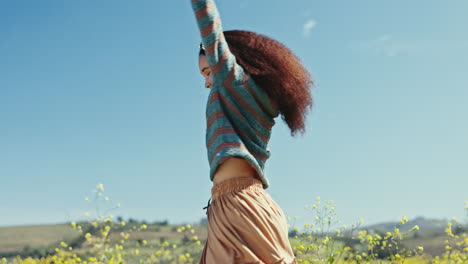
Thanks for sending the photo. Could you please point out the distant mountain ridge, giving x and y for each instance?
(423, 223)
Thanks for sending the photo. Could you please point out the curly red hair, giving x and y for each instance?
(277, 71)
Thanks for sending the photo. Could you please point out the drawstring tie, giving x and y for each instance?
(207, 206)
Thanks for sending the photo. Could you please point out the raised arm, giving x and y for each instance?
(219, 56)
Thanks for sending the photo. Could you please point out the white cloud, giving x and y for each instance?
(387, 45)
(308, 26)
(382, 40)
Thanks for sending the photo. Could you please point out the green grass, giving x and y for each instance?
(15, 239)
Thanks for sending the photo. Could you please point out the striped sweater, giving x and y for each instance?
(239, 114)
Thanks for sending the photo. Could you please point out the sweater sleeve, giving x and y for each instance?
(220, 58)
(223, 62)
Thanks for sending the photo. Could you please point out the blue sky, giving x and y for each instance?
(109, 92)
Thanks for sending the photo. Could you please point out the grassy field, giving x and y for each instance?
(104, 240)
(23, 239)
(43, 239)
(16, 239)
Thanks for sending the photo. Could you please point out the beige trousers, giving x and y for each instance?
(245, 226)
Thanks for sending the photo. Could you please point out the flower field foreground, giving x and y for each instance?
(105, 240)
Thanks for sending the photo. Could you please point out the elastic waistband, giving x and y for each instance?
(235, 185)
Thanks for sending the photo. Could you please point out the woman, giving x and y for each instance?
(253, 79)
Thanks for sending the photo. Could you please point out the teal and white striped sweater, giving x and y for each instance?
(239, 114)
